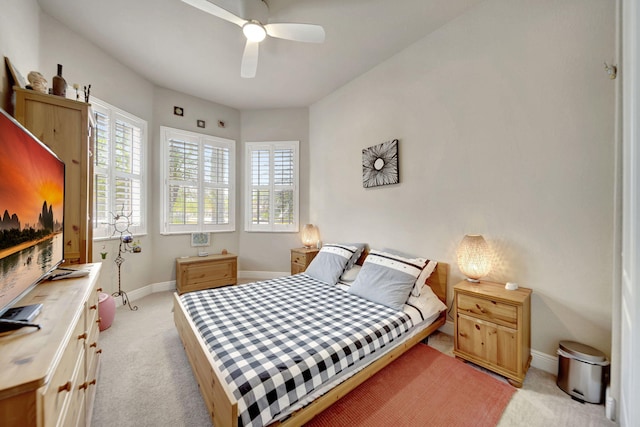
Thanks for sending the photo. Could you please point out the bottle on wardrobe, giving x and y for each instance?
(59, 83)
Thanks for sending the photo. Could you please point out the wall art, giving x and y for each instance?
(380, 164)
(200, 239)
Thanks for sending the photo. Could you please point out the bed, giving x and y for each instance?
(283, 342)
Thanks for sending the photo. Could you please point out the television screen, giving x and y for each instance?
(31, 211)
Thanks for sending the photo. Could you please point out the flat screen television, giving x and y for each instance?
(31, 211)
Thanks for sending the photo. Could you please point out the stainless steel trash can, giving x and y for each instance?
(583, 371)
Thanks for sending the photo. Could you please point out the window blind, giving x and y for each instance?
(272, 170)
(200, 182)
(118, 169)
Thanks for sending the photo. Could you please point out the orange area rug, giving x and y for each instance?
(422, 388)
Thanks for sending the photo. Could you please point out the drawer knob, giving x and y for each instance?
(477, 327)
(92, 382)
(83, 386)
(482, 310)
(66, 387)
(82, 336)
(93, 307)
(93, 344)
(99, 351)
(99, 290)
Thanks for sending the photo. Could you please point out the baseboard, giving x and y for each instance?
(542, 361)
(171, 285)
(447, 328)
(148, 290)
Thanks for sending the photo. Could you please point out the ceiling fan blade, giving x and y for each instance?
(249, 60)
(215, 10)
(309, 33)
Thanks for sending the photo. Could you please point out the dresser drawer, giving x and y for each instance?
(494, 311)
(196, 273)
(63, 387)
(202, 276)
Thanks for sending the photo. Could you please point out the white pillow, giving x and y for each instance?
(428, 302)
(422, 278)
(351, 274)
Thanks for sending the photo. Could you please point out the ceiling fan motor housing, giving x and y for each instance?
(247, 9)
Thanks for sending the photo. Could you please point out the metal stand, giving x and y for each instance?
(119, 260)
(121, 224)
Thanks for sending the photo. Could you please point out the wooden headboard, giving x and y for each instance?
(437, 280)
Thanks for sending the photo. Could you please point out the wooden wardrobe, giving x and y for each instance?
(67, 127)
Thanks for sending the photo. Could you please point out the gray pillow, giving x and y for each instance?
(422, 278)
(330, 262)
(387, 278)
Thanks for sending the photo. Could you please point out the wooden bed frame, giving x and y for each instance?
(223, 406)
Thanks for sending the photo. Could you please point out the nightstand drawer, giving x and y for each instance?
(299, 258)
(498, 312)
(297, 268)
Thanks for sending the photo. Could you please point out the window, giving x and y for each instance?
(271, 203)
(119, 169)
(199, 182)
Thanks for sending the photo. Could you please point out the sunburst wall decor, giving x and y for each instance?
(380, 164)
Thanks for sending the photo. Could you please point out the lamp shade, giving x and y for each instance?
(474, 259)
(309, 235)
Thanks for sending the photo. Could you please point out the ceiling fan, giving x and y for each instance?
(255, 31)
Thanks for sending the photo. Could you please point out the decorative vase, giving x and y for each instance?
(59, 83)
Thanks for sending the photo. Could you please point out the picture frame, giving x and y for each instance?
(200, 239)
(380, 164)
(18, 79)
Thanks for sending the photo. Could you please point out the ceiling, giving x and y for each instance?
(179, 47)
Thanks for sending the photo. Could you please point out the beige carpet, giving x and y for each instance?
(146, 380)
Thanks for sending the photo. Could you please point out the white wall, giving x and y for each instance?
(505, 122)
(271, 251)
(167, 248)
(19, 41)
(84, 63)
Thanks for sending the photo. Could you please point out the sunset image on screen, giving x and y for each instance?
(32, 188)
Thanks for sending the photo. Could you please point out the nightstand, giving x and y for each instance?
(493, 328)
(301, 258)
(204, 272)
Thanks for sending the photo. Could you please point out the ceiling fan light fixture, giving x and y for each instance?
(254, 31)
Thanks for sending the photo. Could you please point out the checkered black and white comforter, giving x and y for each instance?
(278, 340)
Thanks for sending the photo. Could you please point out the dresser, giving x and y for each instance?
(205, 272)
(493, 328)
(49, 376)
(66, 127)
(301, 258)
